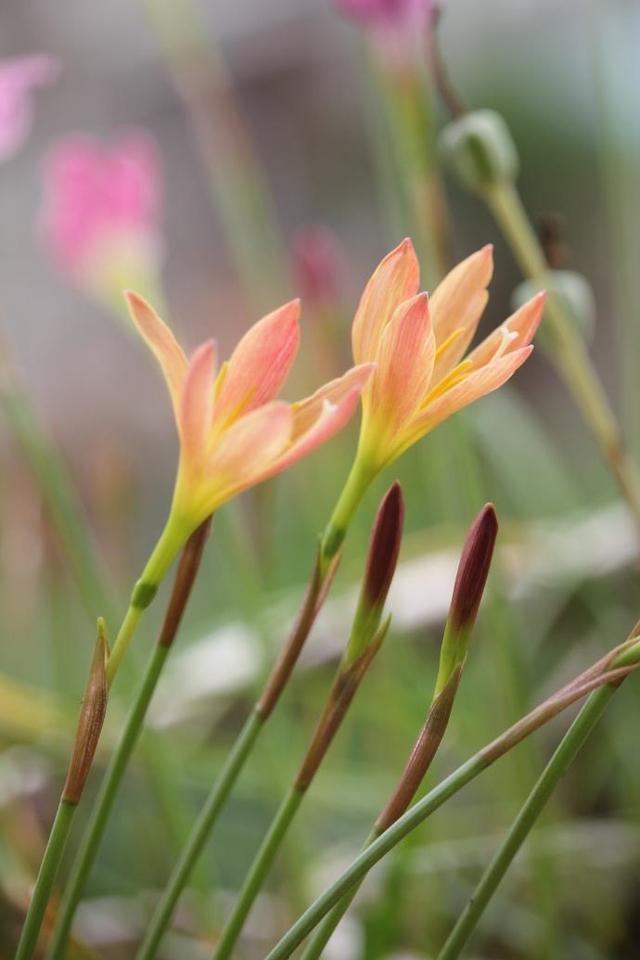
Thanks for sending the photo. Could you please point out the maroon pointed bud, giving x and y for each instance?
(384, 547)
(92, 713)
(473, 569)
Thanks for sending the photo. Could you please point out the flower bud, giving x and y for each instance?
(480, 149)
(473, 570)
(382, 557)
(92, 713)
(575, 292)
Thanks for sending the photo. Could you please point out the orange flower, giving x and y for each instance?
(233, 433)
(419, 345)
(422, 375)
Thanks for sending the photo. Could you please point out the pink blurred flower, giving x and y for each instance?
(318, 266)
(18, 78)
(101, 212)
(396, 26)
(390, 14)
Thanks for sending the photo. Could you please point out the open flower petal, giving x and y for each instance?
(516, 331)
(307, 411)
(163, 344)
(405, 365)
(260, 363)
(196, 404)
(395, 279)
(245, 453)
(458, 300)
(472, 387)
(317, 418)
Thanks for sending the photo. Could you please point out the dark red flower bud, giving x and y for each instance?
(384, 547)
(473, 569)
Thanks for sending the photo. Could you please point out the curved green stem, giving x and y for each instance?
(259, 869)
(555, 769)
(448, 787)
(104, 802)
(324, 930)
(164, 553)
(358, 481)
(198, 837)
(567, 349)
(45, 880)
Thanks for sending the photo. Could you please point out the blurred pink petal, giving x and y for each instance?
(101, 211)
(318, 266)
(404, 14)
(19, 76)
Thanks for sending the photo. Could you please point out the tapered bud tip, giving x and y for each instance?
(473, 568)
(384, 547)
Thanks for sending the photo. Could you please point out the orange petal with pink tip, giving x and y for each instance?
(519, 328)
(405, 364)
(395, 279)
(196, 403)
(475, 385)
(451, 350)
(245, 453)
(259, 364)
(307, 411)
(456, 300)
(330, 418)
(162, 343)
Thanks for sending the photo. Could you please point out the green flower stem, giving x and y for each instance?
(317, 591)
(237, 180)
(172, 538)
(259, 869)
(566, 347)
(409, 111)
(104, 801)
(198, 837)
(45, 880)
(360, 477)
(324, 930)
(555, 769)
(446, 789)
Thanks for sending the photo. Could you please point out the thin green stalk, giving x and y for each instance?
(237, 180)
(278, 678)
(104, 801)
(183, 584)
(259, 869)
(365, 639)
(567, 349)
(555, 769)
(614, 670)
(408, 110)
(199, 834)
(324, 930)
(45, 880)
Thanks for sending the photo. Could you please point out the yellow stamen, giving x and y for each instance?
(457, 333)
(456, 375)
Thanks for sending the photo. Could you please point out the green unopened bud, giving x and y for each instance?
(92, 713)
(480, 149)
(575, 292)
(382, 557)
(473, 570)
